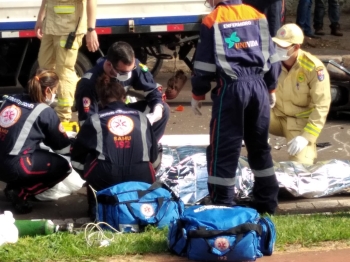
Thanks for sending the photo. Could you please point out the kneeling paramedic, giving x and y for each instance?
(26, 121)
(122, 66)
(303, 96)
(235, 48)
(116, 144)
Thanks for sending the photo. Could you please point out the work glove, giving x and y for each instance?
(71, 134)
(297, 144)
(196, 105)
(156, 115)
(272, 97)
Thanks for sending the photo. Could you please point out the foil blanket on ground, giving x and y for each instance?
(184, 170)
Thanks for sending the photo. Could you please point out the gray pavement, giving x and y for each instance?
(336, 132)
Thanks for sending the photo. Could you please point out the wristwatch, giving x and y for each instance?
(90, 29)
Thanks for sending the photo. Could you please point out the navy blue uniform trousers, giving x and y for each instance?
(241, 110)
(33, 173)
(273, 10)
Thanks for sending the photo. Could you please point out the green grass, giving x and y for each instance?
(302, 230)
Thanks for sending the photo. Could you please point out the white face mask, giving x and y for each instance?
(50, 101)
(124, 77)
(283, 53)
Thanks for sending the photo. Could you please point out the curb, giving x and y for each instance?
(312, 206)
(302, 206)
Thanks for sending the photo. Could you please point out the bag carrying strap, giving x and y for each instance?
(113, 200)
(155, 186)
(242, 229)
(178, 236)
(268, 233)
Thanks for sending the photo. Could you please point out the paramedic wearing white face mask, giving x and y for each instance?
(26, 121)
(121, 65)
(302, 97)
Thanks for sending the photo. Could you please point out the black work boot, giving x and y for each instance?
(335, 30)
(21, 205)
(319, 31)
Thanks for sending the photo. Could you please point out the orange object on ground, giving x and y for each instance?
(180, 108)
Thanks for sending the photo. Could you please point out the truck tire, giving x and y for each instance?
(153, 63)
(81, 66)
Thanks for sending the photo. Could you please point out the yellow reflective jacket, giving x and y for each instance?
(62, 17)
(303, 95)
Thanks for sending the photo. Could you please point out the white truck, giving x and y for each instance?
(147, 25)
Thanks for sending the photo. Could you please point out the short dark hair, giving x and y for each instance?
(120, 51)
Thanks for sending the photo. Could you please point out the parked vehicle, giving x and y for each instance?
(340, 82)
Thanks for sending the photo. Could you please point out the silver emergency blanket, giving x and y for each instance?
(184, 170)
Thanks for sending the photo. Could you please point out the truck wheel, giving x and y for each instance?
(144, 54)
(81, 66)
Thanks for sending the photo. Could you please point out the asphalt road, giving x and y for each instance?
(336, 132)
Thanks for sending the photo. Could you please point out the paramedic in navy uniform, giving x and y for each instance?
(236, 50)
(116, 144)
(120, 64)
(25, 121)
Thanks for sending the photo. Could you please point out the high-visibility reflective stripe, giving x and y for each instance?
(274, 58)
(64, 102)
(313, 130)
(97, 125)
(264, 173)
(264, 35)
(64, 9)
(204, 66)
(28, 124)
(77, 165)
(305, 114)
(306, 64)
(63, 151)
(220, 51)
(143, 121)
(221, 181)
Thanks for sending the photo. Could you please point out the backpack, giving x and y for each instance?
(213, 233)
(131, 206)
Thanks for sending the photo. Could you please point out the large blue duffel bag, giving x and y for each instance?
(130, 206)
(214, 233)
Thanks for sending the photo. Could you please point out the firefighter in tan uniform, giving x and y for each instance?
(56, 20)
(302, 97)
